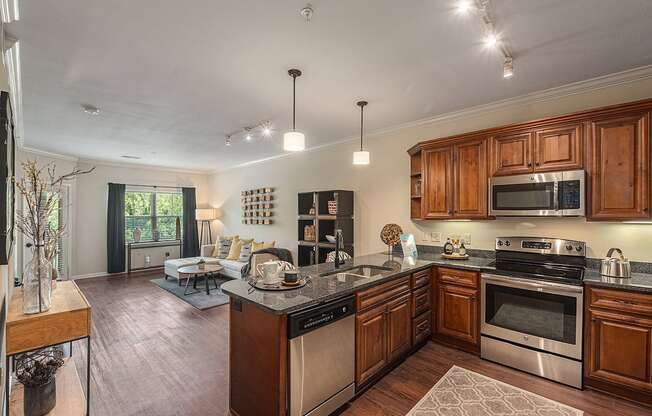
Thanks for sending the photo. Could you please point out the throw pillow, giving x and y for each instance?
(223, 246)
(245, 252)
(234, 251)
(259, 246)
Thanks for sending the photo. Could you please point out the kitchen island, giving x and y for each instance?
(393, 318)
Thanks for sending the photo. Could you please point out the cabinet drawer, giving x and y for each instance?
(383, 293)
(620, 300)
(421, 278)
(458, 277)
(420, 300)
(421, 328)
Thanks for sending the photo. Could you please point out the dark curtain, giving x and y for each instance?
(115, 229)
(190, 238)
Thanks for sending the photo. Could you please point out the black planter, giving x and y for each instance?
(38, 401)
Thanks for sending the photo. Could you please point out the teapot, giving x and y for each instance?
(615, 266)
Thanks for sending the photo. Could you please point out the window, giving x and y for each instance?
(152, 210)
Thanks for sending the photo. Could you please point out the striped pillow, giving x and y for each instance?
(224, 247)
(245, 253)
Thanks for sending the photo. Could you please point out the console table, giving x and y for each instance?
(68, 320)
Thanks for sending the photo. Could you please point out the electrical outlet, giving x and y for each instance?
(467, 239)
(435, 237)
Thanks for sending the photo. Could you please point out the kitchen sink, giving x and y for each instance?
(359, 271)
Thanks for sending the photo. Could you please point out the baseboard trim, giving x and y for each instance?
(88, 276)
(122, 274)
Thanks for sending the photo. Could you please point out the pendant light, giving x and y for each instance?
(361, 157)
(294, 141)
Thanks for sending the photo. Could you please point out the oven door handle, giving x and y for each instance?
(540, 286)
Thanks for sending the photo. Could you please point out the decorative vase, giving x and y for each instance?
(332, 207)
(37, 283)
(39, 400)
(137, 234)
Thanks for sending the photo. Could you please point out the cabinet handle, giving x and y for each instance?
(538, 164)
(529, 164)
(472, 298)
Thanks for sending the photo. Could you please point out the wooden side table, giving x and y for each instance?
(68, 320)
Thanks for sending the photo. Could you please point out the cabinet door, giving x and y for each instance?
(471, 189)
(558, 148)
(437, 186)
(619, 168)
(399, 327)
(511, 154)
(457, 313)
(371, 343)
(620, 350)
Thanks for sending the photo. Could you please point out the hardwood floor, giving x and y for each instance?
(153, 354)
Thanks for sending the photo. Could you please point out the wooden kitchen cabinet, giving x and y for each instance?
(618, 343)
(511, 154)
(558, 148)
(619, 160)
(399, 328)
(470, 179)
(383, 327)
(437, 202)
(457, 308)
(371, 343)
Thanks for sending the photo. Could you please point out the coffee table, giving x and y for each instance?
(208, 272)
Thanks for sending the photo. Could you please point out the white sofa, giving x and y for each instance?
(231, 268)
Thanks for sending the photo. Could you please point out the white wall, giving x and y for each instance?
(382, 189)
(89, 194)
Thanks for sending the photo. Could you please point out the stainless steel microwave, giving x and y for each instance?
(550, 194)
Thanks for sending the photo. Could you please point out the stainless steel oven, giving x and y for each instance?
(557, 194)
(532, 307)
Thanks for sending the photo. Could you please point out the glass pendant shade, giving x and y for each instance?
(294, 141)
(361, 157)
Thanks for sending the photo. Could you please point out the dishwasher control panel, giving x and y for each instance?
(305, 321)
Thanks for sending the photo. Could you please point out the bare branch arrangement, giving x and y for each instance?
(42, 190)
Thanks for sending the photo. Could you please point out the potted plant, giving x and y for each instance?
(201, 264)
(36, 372)
(42, 191)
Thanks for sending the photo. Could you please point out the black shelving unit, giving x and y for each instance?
(311, 252)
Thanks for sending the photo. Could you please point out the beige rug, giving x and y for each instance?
(465, 393)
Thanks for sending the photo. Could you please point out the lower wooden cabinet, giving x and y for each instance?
(456, 311)
(618, 343)
(399, 327)
(371, 343)
(421, 328)
(383, 332)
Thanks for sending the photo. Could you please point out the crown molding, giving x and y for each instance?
(45, 153)
(158, 168)
(580, 87)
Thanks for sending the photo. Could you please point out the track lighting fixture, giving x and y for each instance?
(508, 67)
(464, 6)
(227, 141)
(491, 40)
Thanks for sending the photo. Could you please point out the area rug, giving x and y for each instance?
(465, 393)
(199, 300)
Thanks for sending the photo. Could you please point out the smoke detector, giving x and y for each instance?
(90, 109)
(307, 12)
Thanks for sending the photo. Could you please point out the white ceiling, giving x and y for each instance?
(173, 77)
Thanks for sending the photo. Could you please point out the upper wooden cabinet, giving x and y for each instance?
(619, 160)
(511, 154)
(539, 150)
(437, 185)
(470, 187)
(558, 148)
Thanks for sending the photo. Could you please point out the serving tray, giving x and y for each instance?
(280, 286)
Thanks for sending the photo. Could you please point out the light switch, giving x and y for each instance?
(435, 237)
(424, 236)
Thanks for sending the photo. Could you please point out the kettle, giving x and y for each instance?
(615, 266)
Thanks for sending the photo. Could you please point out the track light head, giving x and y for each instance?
(464, 6)
(491, 40)
(508, 68)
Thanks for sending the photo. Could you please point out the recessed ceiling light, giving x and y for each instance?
(508, 68)
(227, 141)
(248, 137)
(463, 6)
(491, 40)
(90, 109)
(131, 157)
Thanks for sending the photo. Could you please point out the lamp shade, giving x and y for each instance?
(206, 214)
(294, 141)
(361, 158)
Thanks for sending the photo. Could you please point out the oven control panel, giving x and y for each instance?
(542, 245)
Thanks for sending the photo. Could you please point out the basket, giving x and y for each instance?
(309, 233)
(332, 207)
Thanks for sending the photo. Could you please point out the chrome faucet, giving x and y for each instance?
(338, 242)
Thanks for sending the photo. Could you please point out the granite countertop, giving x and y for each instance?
(323, 288)
(639, 282)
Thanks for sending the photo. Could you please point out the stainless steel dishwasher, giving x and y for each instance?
(322, 358)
